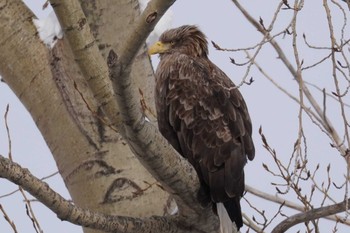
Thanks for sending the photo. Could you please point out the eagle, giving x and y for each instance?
(204, 117)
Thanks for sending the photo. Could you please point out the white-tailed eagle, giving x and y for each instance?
(204, 117)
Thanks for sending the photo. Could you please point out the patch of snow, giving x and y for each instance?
(143, 4)
(49, 29)
(164, 24)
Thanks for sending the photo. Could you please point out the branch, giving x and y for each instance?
(310, 215)
(87, 55)
(273, 198)
(7, 218)
(127, 96)
(66, 211)
(251, 224)
(292, 205)
(143, 26)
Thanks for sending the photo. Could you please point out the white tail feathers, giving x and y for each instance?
(226, 225)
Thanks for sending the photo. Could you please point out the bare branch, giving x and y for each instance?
(8, 132)
(309, 216)
(251, 224)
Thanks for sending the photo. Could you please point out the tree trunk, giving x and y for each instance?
(96, 164)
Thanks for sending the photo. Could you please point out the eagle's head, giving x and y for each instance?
(187, 39)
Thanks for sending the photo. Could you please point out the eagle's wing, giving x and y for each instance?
(206, 120)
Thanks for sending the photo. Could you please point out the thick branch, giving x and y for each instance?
(151, 148)
(127, 96)
(67, 211)
(310, 215)
(142, 28)
(87, 55)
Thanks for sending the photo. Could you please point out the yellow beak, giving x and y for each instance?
(158, 47)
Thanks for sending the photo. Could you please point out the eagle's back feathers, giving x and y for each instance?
(203, 115)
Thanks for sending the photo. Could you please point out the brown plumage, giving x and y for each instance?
(203, 116)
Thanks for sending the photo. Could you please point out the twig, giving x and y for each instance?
(250, 223)
(7, 218)
(317, 63)
(30, 212)
(260, 212)
(267, 37)
(8, 132)
(218, 47)
(344, 17)
(327, 94)
(299, 77)
(316, 186)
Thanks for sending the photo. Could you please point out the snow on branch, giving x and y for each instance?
(49, 29)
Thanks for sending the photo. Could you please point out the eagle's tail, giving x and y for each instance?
(229, 212)
(226, 225)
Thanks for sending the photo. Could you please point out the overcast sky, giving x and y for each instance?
(269, 108)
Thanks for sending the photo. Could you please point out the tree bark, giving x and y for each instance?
(89, 154)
